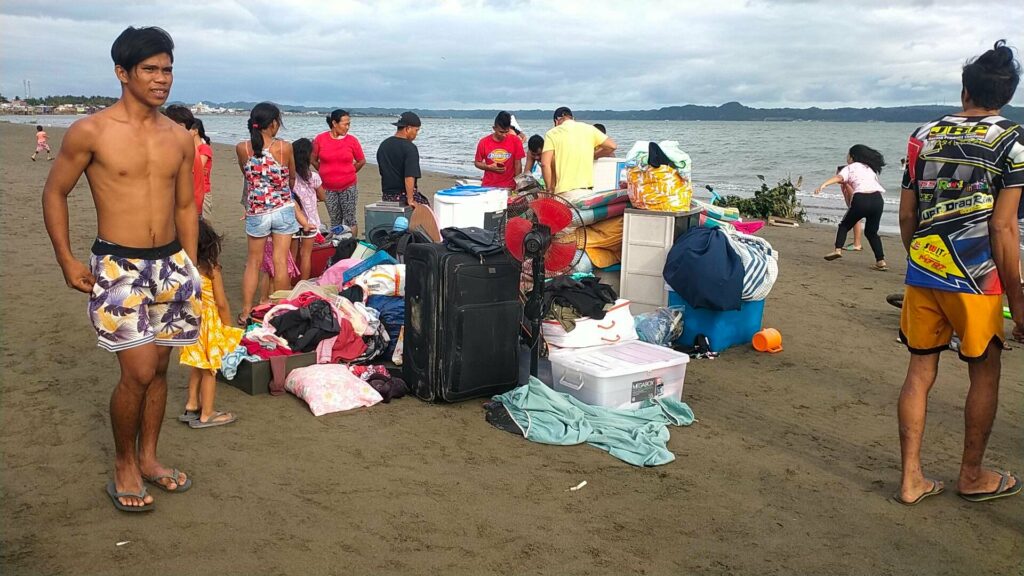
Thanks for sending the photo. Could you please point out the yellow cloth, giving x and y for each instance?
(215, 339)
(604, 242)
(573, 144)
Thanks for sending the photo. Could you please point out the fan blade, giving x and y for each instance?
(552, 213)
(516, 230)
(559, 257)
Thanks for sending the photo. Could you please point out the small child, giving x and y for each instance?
(308, 191)
(42, 143)
(215, 338)
(267, 274)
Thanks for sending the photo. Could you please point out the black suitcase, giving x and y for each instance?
(462, 321)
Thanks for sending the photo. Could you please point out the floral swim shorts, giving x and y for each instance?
(144, 295)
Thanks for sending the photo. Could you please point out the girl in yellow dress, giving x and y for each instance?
(215, 338)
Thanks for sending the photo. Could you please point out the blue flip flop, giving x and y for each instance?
(173, 476)
(114, 495)
(1001, 491)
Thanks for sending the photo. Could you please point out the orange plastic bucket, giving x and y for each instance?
(768, 340)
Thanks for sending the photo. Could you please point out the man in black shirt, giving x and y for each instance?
(398, 160)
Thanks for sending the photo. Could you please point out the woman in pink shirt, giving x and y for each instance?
(863, 165)
(337, 157)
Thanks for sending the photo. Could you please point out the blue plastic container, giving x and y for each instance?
(724, 329)
(463, 191)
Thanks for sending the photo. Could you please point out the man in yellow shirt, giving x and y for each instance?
(570, 148)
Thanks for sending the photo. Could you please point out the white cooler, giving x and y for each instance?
(464, 206)
(620, 375)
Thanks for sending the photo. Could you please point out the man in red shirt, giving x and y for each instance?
(500, 155)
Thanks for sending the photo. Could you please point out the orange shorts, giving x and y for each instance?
(930, 317)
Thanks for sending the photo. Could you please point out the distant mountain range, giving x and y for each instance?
(728, 111)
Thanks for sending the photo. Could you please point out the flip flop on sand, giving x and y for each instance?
(114, 495)
(852, 248)
(880, 267)
(242, 319)
(937, 488)
(214, 420)
(1001, 491)
(833, 256)
(173, 477)
(188, 416)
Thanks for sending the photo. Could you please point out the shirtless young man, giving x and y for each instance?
(143, 288)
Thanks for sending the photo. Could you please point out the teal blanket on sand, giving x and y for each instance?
(639, 436)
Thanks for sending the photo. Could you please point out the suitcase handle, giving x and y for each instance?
(608, 327)
(612, 340)
(573, 385)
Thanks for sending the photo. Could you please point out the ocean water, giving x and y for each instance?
(725, 155)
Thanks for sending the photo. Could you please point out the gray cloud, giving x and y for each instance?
(464, 54)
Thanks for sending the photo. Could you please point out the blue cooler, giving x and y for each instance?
(724, 329)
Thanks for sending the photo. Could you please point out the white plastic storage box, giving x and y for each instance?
(609, 174)
(620, 375)
(464, 206)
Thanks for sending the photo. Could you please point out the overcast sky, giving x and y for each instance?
(520, 54)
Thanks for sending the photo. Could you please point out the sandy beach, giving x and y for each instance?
(788, 470)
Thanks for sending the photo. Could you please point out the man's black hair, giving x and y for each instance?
(601, 128)
(136, 44)
(562, 111)
(503, 120)
(991, 79)
(535, 143)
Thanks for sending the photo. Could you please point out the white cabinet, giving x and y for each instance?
(647, 237)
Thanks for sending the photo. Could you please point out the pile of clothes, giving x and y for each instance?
(568, 298)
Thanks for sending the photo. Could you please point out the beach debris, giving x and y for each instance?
(578, 486)
(122, 543)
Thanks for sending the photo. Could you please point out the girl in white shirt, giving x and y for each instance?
(863, 165)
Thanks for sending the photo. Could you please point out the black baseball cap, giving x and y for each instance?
(562, 111)
(408, 119)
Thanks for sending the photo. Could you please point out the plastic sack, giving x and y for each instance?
(638, 155)
(661, 188)
(662, 327)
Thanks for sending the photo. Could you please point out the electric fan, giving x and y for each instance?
(545, 233)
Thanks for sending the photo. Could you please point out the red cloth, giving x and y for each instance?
(366, 372)
(507, 152)
(337, 159)
(254, 349)
(349, 345)
(302, 300)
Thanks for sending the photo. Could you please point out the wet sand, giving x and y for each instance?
(787, 471)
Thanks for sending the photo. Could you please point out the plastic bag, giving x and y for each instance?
(661, 188)
(662, 327)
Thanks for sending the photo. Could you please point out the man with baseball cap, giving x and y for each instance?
(570, 148)
(398, 160)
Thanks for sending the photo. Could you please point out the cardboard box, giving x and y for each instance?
(254, 377)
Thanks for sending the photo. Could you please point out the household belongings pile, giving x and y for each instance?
(657, 177)
(348, 323)
(721, 277)
(606, 388)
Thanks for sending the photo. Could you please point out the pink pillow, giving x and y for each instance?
(330, 388)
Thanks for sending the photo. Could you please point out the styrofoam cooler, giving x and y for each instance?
(609, 173)
(620, 375)
(464, 206)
